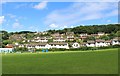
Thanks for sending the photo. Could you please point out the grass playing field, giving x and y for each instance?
(90, 62)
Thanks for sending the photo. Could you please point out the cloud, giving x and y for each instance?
(11, 15)
(41, 5)
(61, 0)
(24, 5)
(32, 27)
(53, 26)
(78, 12)
(15, 17)
(65, 26)
(17, 25)
(21, 5)
(108, 21)
(1, 19)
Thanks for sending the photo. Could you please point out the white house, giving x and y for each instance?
(108, 42)
(101, 33)
(76, 45)
(83, 44)
(70, 37)
(59, 45)
(21, 45)
(44, 39)
(83, 34)
(6, 50)
(116, 41)
(42, 46)
(100, 43)
(38, 45)
(58, 39)
(90, 44)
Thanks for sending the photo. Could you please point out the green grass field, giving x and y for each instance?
(89, 62)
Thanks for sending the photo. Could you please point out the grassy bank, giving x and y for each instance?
(68, 62)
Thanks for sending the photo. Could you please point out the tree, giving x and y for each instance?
(50, 40)
(90, 29)
(5, 42)
(5, 35)
(105, 37)
(112, 35)
(91, 38)
(21, 49)
(118, 34)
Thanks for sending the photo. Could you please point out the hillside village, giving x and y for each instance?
(64, 41)
(67, 40)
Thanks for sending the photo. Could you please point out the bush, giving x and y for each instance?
(116, 46)
(38, 50)
(57, 49)
(71, 49)
(21, 49)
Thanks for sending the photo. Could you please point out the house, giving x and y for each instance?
(42, 46)
(7, 49)
(69, 33)
(83, 35)
(101, 33)
(100, 43)
(46, 45)
(30, 46)
(59, 45)
(21, 45)
(108, 42)
(76, 45)
(90, 43)
(40, 39)
(116, 41)
(16, 37)
(83, 44)
(70, 37)
(58, 39)
(55, 35)
(38, 45)
(94, 35)
(82, 38)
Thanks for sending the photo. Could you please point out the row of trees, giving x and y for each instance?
(90, 29)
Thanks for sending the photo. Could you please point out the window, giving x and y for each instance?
(88, 43)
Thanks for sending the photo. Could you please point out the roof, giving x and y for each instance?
(100, 40)
(94, 34)
(58, 43)
(117, 38)
(71, 43)
(9, 46)
(83, 37)
(101, 33)
(58, 38)
(91, 41)
(108, 41)
(36, 44)
(83, 43)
